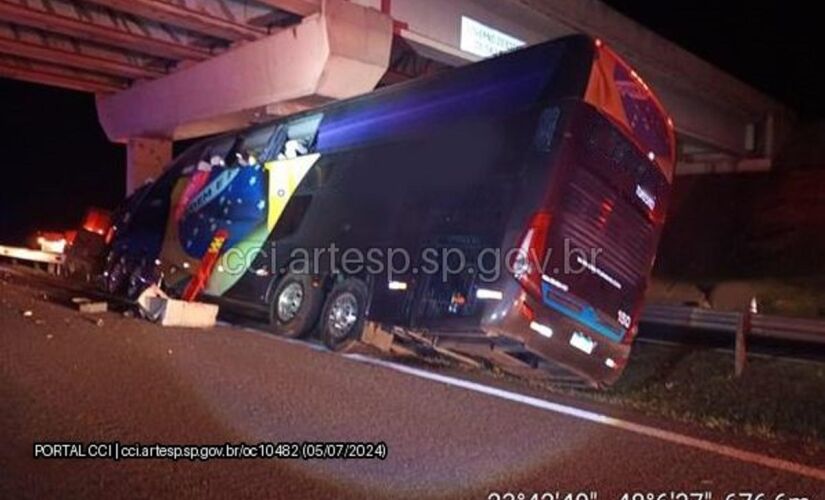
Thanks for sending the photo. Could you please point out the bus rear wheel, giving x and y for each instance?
(342, 319)
(296, 303)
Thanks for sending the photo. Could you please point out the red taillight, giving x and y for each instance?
(527, 265)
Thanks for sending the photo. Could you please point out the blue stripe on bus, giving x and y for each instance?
(498, 86)
(586, 316)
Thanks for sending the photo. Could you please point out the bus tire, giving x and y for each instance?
(295, 305)
(343, 316)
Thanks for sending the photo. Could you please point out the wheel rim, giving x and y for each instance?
(343, 313)
(289, 301)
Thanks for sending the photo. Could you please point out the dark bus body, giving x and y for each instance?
(545, 171)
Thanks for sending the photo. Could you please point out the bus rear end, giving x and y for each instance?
(581, 262)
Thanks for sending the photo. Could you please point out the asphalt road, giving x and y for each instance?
(64, 377)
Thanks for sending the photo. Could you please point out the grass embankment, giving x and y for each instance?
(774, 398)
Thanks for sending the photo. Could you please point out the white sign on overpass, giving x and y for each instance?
(482, 40)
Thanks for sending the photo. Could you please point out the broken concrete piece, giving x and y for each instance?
(144, 302)
(93, 307)
(156, 306)
(171, 312)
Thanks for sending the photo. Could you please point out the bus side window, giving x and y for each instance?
(316, 179)
(253, 150)
(292, 216)
(215, 152)
(300, 137)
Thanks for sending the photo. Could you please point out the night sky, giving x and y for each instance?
(775, 46)
(57, 161)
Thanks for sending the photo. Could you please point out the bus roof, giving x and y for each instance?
(541, 73)
(574, 66)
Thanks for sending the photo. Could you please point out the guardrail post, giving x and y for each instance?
(740, 350)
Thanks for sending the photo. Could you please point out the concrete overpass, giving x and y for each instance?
(165, 70)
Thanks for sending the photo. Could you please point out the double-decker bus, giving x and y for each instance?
(512, 206)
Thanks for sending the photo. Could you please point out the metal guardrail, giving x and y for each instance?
(774, 327)
(32, 255)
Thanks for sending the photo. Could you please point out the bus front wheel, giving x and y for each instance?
(295, 306)
(342, 319)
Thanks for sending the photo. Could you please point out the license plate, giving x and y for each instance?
(582, 342)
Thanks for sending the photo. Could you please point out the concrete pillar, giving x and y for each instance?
(145, 160)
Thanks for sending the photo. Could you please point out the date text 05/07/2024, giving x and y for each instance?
(305, 450)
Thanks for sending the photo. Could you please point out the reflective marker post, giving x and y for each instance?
(740, 351)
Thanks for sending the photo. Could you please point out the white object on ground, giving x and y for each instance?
(173, 312)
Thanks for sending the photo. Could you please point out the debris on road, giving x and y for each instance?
(28, 313)
(88, 306)
(144, 302)
(180, 313)
(94, 320)
(158, 307)
(93, 307)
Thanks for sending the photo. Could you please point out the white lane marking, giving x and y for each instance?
(572, 411)
(644, 430)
